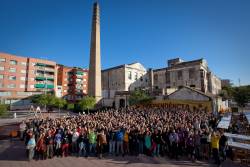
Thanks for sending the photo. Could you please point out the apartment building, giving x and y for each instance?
(21, 77)
(72, 82)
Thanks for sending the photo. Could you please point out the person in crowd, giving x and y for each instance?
(119, 142)
(190, 143)
(197, 144)
(50, 144)
(111, 140)
(22, 128)
(156, 138)
(82, 143)
(41, 147)
(92, 141)
(215, 138)
(141, 142)
(31, 147)
(174, 140)
(204, 144)
(75, 136)
(58, 143)
(126, 142)
(65, 143)
(223, 146)
(148, 145)
(101, 142)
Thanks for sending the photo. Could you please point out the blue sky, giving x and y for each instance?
(147, 31)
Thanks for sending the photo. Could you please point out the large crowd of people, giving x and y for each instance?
(151, 130)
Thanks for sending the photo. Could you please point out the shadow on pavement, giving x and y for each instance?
(12, 150)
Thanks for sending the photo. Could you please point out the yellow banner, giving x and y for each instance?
(183, 104)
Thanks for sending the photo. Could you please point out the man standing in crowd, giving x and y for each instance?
(92, 141)
(119, 142)
(112, 139)
(215, 147)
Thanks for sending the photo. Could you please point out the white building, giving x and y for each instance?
(126, 77)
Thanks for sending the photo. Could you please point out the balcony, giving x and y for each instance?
(79, 76)
(43, 86)
(42, 78)
(41, 64)
(79, 72)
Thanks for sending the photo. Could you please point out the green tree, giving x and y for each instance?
(59, 103)
(139, 97)
(3, 109)
(87, 103)
(51, 100)
(70, 106)
(40, 99)
(227, 92)
(241, 95)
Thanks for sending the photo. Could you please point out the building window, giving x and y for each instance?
(22, 78)
(141, 79)
(1, 68)
(23, 63)
(84, 85)
(1, 76)
(13, 62)
(23, 71)
(31, 86)
(129, 75)
(168, 77)
(179, 74)
(84, 79)
(192, 86)
(11, 85)
(191, 73)
(12, 70)
(2, 59)
(156, 77)
(22, 86)
(12, 77)
(136, 76)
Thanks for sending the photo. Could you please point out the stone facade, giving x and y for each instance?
(195, 74)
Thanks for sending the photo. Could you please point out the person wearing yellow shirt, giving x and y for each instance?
(126, 142)
(215, 138)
